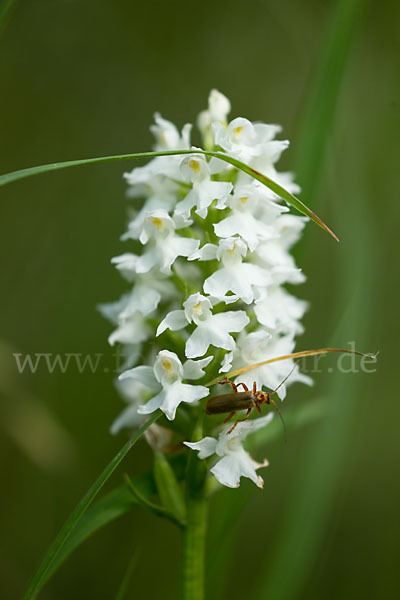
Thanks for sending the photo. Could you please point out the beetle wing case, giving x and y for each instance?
(229, 402)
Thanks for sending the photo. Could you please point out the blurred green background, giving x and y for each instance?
(83, 78)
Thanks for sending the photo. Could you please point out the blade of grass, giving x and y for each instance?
(107, 509)
(318, 117)
(302, 354)
(115, 504)
(46, 565)
(123, 587)
(5, 13)
(269, 183)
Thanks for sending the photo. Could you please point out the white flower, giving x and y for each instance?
(280, 311)
(195, 169)
(164, 382)
(251, 216)
(167, 135)
(131, 327)
(234, 275)
(218, 110)
(126, 265)
(290, 228)
(166, 246)
(130, 330)
(134, 393)
(167, 138)
(253, 143)
(247, 141)
(234, 462)
(211, 329)
(274, 255)
(280, 264)
(160, 193)
(260, 346)
(148, 290)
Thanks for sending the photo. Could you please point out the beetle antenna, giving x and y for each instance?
(286, 378)
(274, 404)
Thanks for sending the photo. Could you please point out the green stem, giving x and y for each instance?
(194, 533)
(193, 547)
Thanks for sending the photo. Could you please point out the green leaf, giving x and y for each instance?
(156, 509)
(110, 507)
(269, 183)
(169, 490)
(113, 505)
(50, 558)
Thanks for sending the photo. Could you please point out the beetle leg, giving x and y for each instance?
(240, 420)
(258, 409)
(229, 382)
(254, 387)
(246, 389)
(229, 417)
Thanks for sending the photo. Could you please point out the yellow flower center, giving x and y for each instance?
(194, 165)
(157, 222)
(167, 366)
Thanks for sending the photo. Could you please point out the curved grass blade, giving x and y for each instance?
(123, 586)
(285, 357)
(281, 192)
(54, 550)
(156, 509)
(269, 183)
(319, 115)
(107, 509)
(113, 505)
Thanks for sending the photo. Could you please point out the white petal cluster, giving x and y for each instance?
(208, 259)
(210, 329)
(164, 381)
(233, 460)
(204, 191)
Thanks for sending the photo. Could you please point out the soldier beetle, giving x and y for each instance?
(249, 399)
